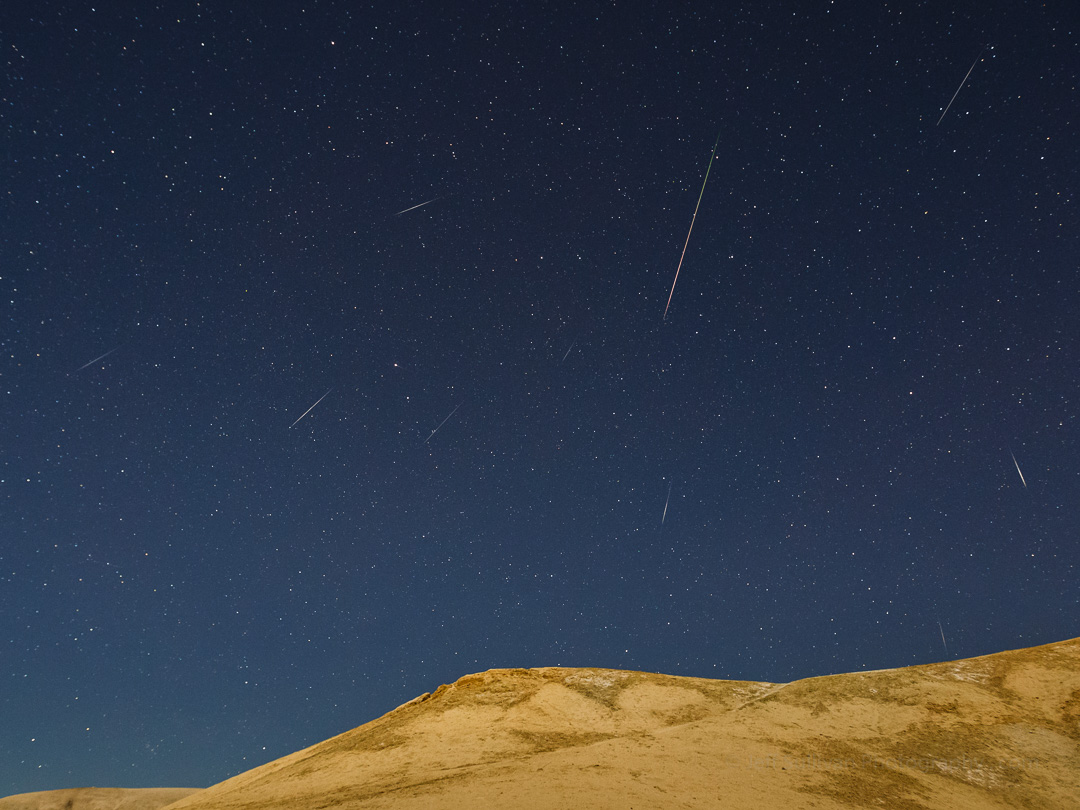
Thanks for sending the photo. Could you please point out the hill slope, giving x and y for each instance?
(93, 798)
(1000, 731)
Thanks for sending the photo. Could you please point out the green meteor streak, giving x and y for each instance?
(696, 207)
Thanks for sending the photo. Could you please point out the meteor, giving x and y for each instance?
(954, 95)
(943, 644)
(663, 517)
(567, 353)
(1022, 481)
(309, 410)
(692, 220)
(443, 422)
(421, 205)
(84, 365)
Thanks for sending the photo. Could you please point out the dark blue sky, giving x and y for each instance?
(803, 469)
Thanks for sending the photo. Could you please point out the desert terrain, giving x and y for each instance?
(92, 798)
(999, 731)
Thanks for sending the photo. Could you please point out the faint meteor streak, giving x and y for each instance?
(692, 220)
(84, 365)
(943, 644)
(663, 517)
(1022, 481)
(421, 205)
(958, 89)
(443, 422)
(567, 353)
(309, 410)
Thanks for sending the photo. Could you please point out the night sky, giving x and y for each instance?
(854, 433)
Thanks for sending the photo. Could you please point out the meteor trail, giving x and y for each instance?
(1022, 481)
(309, 410)
(954, 95)
(84, 365)
(421, 205)
(567, 353)
(692, 220)
(668, 500)
(443, 422)
(943, 644)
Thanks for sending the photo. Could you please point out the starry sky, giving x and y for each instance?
(335, 363)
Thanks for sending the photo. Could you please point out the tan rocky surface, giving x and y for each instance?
(93, 798)
(1000, 731)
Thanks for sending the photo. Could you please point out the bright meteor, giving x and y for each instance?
(309, 410)
(1022, 481)
(692, 220)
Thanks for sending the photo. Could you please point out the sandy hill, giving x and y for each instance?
(92, 798)
(1001, 731)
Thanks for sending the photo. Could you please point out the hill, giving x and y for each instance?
(999, 731)
(93, 798)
